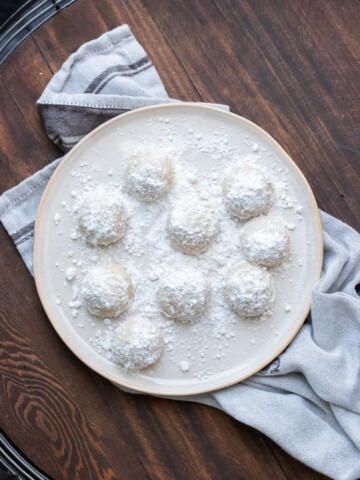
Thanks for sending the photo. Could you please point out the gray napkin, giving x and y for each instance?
(308, 399)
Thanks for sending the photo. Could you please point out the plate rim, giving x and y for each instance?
(37, 273)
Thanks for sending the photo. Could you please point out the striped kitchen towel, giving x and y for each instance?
(102, 79)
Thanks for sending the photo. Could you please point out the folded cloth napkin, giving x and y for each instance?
(308, 399)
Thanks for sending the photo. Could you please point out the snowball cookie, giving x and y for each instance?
(183, 295)
(265, 241)
(137, 344)
(107, 290)
(192, 227)
(149, 175)
(247, 192)
(102, 216)
(248, 289)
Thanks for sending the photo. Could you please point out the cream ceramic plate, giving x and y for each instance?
(219, 353)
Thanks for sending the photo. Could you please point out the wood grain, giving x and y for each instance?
(293, 71)
(293, 68)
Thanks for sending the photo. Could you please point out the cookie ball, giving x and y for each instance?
(265, 241)
(192, 227)
(102, 216)
(149, 174)
(137, 344)
(183, 295)
(247, 192)
(107, 290)
(248, 290)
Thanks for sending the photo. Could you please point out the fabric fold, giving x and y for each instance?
(104, 78)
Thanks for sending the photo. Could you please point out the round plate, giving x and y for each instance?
(219, 355)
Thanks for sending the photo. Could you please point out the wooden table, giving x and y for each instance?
(291, 66)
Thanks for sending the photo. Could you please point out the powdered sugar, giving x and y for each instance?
(248, 193)
(183, 295)
(146, 252)
(249, 289)
(184, 366)
(149, 174)
(192, 226)
(57, 218)
(102, 216)
(70, 274)
(107, 290)
(137, 343)
(265, 241)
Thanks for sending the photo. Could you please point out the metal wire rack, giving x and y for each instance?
(25, 20)
(33, 13)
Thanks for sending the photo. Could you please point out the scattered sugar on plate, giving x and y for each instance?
(70, 274)
(147, 232)
(184, 366)
(57, 218)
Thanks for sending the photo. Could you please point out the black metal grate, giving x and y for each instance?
(14, 465)
(25, 20)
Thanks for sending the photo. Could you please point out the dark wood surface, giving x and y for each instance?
(290, 66)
